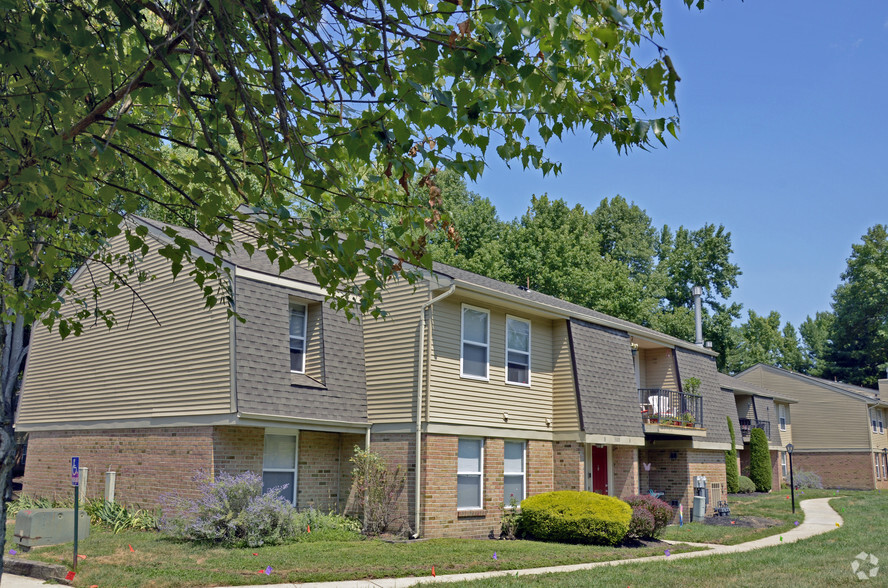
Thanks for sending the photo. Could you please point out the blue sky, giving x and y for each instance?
(783, 141)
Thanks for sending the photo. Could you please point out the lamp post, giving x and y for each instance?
(791, 480)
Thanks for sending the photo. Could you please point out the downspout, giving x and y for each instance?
(422, 327)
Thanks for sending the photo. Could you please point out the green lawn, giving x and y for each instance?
(824, 560)
(159, 562)
(772, 506)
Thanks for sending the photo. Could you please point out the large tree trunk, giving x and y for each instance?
(12, 359)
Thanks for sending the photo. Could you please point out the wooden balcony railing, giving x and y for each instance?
(671, 408)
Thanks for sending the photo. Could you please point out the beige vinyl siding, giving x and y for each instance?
(454, 399)
(659, 369)
(784, 436)
(138, 368)
(314, 342)
(744, 408)
(822, 419)
(391, 352)
(564, 391)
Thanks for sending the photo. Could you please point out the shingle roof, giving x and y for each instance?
(858, 392)
(573, 310)
(717, 403)
(605, 380)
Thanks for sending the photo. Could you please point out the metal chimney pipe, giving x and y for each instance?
(698, 314)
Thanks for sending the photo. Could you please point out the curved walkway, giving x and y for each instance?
(819, 518)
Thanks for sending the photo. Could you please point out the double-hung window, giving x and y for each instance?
(781, 414)
(884, 465)
(475, 357)
(514, 472)
(297, 337)
(881, 423)
(873, 419)
(279, 465)
(517, 351)
(783, 463)
(468, 474)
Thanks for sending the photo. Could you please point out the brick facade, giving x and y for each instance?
(839, 470)
(569, 465)
(625, 470)
(397, 449)
(672, 472)
(151, 462)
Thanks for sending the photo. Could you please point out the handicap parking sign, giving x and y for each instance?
(75, 471)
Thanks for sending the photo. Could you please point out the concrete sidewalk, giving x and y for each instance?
(819, 518)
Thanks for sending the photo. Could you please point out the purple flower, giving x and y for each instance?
(796, 523)
(668, 553)
(268, 570)
(494, 555)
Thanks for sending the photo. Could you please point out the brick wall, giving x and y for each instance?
(625, 471)
(319, 475)
(776, 471)
(347, 450)
(672, 472)
(710, 464)
(148, 462)
(838, 470)
(569, 465)
(540, 467)
(398, 451)
(238, 449)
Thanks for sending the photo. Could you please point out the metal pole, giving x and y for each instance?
(76, 516)
(791, 483)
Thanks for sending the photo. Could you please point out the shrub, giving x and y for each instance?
(745, 485)
(232, 510)
(660, 516)
(325, 526)
(759, 460)
(732, 471)
(377, 490)
(803, 479)
(117, 517)
(575, 517)
(26, 502)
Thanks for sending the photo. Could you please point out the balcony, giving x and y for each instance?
(747, 425)
(667, 410)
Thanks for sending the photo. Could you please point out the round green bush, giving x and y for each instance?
(746, 485)
(575, 517)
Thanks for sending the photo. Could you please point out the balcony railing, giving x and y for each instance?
(671, 408)
(747, 425)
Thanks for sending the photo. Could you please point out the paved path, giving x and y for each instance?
(819, 518)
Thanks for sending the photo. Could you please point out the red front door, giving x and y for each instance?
(599, 469)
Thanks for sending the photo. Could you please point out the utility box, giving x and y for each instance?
(49, 526)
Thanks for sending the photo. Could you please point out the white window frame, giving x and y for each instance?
(781, 416)
(294, 470)
(783, 466)
(462, 343)
(878, 467)
(873, 419)
(523, 473)
(304, 337)
(479, 474)
(879, 414)
(884, 466)
(528, 352)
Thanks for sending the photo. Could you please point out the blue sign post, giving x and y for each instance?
(75, 481)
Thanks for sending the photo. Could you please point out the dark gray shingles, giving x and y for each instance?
(717, 403)
(264, 383)
(605, 380)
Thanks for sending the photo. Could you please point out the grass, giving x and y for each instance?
(772, 506)
(159, 562)
(824, 560)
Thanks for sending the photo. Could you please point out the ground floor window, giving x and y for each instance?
(279, 464)
(514, 453)
(783, 463)
(468, 473)
(878, 468)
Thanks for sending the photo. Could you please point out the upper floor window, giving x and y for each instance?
(517, 351)
(297, 337)
(873, 420)
(881, 425)
(781, 415)
(475, 342)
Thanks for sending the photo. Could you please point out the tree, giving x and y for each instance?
(319, 116)
(857, 350)
(759, 460)
(815, 338)
(732, 470)
(762, 340)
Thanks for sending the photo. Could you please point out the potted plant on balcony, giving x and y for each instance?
(688, 419)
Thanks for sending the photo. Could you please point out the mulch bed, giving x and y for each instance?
(752, 522)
